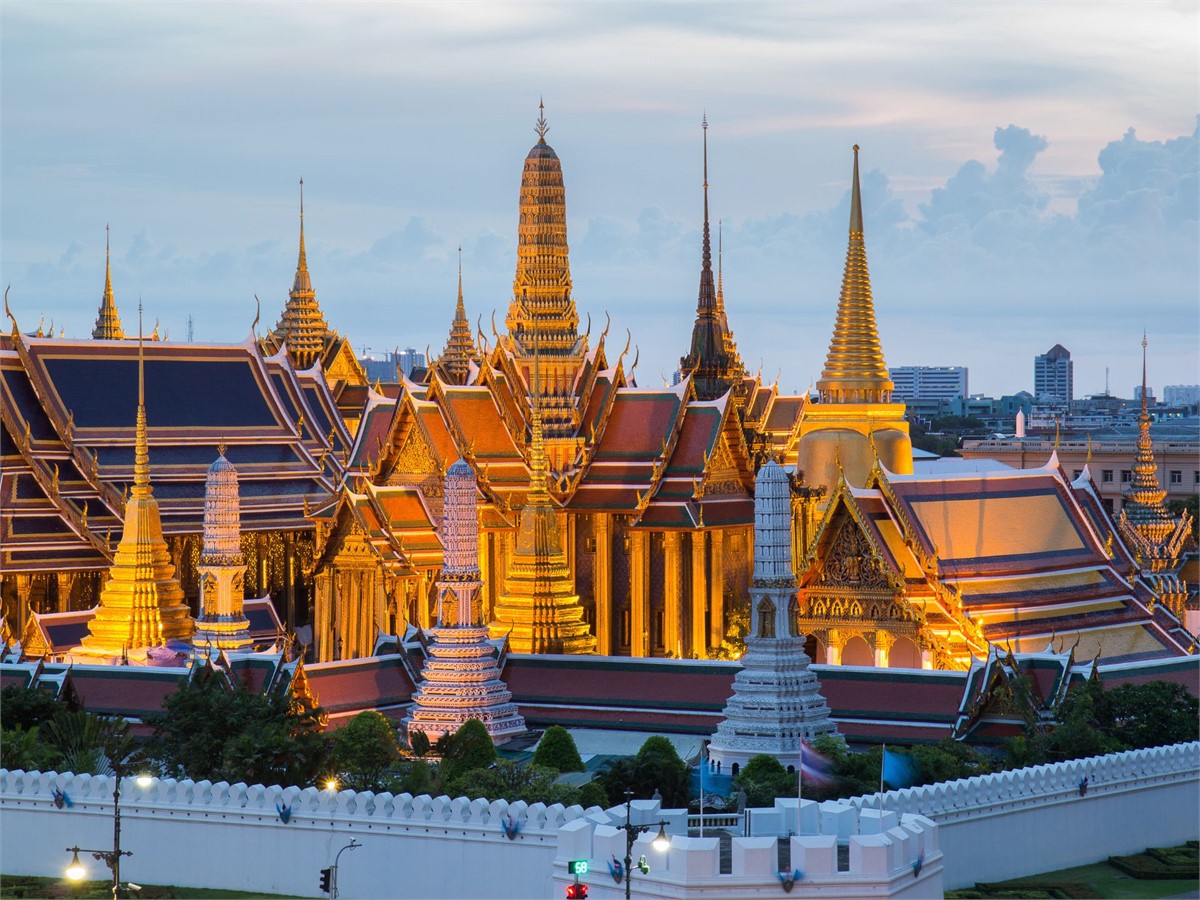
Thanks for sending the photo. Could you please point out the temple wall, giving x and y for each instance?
(1134, 800)
(434, 846)
(881, 861)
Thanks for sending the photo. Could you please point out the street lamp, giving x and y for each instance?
(111, 858)
(660, 843)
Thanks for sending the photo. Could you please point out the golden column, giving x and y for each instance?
(672, 592)
(716, 584)
(602, 583)
(699, 594)
(639, 592)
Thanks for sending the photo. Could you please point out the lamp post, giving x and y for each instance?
(111, 858)
(661, 843)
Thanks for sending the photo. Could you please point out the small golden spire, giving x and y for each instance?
(108, 322)
(141, 453)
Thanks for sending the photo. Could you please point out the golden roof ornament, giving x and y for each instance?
(108, 322)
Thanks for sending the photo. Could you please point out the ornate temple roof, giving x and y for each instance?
(855, 371)
(108, 321)
(67, 456)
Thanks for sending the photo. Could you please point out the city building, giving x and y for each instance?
(1181, 394)
(1054, 376)
(928, 382)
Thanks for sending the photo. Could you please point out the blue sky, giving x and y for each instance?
(1030, 170)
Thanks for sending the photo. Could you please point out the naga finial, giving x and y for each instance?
(257, 314)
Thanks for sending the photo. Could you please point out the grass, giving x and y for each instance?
(1100, 880)
(21, 886)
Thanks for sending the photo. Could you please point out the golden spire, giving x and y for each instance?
(108, 322)
(460, 346)
(542, 303)
(712, 360)
(302, 326)
(855, 371)
(1144, 498)
(142, 603)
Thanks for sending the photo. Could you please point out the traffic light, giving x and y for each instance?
(577, 891)
(325, 876)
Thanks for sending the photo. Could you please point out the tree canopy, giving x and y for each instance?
(364, 750)
(557, 750)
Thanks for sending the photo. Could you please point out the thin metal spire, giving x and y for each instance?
(541, 127)
(856, 215)
(141, 453)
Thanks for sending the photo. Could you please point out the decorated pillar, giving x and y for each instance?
(833, 649)
(602, 584)
(222, 623)
(699, 594)
(672, 592)
(883, 646)
(639, 593)
(716, 588)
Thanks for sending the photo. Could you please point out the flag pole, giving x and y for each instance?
(702, 763)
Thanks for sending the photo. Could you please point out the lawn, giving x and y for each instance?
(29, 886)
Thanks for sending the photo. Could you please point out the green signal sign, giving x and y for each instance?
(577, 867)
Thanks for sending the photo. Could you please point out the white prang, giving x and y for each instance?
(461, 676)
(222, 623)
(776, 699)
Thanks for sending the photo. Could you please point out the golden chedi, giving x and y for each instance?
(142, 603)
(855, 421)
(539, 610)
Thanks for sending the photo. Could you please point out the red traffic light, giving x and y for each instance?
(577, 892)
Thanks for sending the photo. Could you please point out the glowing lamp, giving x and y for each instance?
(76, 871)
(661, 842)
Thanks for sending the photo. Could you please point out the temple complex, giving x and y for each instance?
(142, 603)
(460, 679)
(776, 702)
(222, 622)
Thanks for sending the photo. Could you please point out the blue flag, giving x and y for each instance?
(898, 770)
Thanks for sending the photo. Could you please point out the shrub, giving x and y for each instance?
(557, 750)
(468, 748)
(363, 751)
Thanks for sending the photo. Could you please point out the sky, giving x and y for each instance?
(1031, 172)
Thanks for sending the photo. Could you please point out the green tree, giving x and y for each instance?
(23, 707)
(592, 794)
(91, 744)
(208, 730)
(507, 780)
(418, 742)
(364, 750)
(468, 748)
(557, 750)
(1149, 715)
(415, 777)
(764, 778)
(25, 749)
(655, 767)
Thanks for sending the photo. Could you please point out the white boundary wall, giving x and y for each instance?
(231, 836)
(1027, 821)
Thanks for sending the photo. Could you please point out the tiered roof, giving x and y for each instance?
(67, 456)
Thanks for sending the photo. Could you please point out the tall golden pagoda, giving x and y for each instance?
(711, 364)
(108, 322)
(855, 421)
(1146, 525)
(455, 363)
(142, 604)
(539, 610)
(542, 320)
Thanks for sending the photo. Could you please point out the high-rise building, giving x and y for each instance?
(929, 382)
(1054, 376)
(1181, 394)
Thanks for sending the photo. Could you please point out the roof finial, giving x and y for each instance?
(461, 310)
(141, 453)
(720, 263)
(856, 216)
(541, 127)
(1144, 373)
